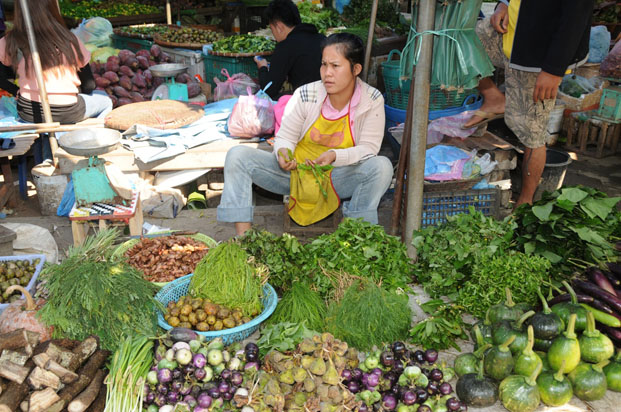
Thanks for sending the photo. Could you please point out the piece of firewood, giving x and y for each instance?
(2, 385)
(14, 340)
(41, 400)
(88, 395)
(19, 357)
(100, 402)
(13, 396)
(82, 352)
(39, 378)
(53, 351)
(65, 375)
(13, 371)
(66, 358)
(24, 405)
(41, 359)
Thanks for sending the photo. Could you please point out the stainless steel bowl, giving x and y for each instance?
(90, 142)
(168, 69)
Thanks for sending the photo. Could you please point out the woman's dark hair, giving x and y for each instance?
(283, 10)
(349, 44)
(55, 43)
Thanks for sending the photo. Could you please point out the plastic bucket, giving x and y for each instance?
(556, 119)
(553, 174)
(50, 191)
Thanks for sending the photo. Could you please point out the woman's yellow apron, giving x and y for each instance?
(307, 203)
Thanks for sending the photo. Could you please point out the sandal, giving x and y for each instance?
(487, 117)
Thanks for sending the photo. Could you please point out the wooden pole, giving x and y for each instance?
(367, 52)
(168, 13)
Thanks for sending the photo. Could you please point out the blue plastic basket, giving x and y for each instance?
(179, 287)
(35, 275)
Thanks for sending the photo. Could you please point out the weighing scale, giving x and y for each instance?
(90, 182)
(170, 90)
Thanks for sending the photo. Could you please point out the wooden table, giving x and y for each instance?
(210, 155)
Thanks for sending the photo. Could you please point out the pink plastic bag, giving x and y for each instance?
(233, 86)
(279, 110)
(252, 116)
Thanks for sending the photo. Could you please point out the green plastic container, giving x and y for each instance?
(130, 43)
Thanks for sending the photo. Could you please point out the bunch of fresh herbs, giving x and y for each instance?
(442, 328)
(300, 304)
(358, 11)
(322, 17)
(283, 337)
(571, 223)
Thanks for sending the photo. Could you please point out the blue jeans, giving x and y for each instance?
(98, 104)
(364, 183)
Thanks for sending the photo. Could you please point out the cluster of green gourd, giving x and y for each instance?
(504, 365)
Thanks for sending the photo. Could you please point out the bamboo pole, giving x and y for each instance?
(168, 13)
(367, 52)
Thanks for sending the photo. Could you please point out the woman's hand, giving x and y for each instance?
(326, 158)
(284, 162)
(500, 18)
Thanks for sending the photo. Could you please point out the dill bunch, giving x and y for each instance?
(300, 304)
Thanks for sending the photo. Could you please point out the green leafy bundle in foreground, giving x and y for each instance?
(227, 277)
(283, 337)
(369, 315)
(104, 298)
(300, 304)
(522, 274)
(442, 328)
(574, 222)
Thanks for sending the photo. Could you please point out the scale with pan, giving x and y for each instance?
(170, 90)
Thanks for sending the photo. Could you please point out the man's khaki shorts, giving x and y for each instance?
(527, 119)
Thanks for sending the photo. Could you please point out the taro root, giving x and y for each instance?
(125, 55)
(111, 66)
(125, 82)
(102, 82)
(126, 71)
(112, 76)
(121, 92)
(143, 62)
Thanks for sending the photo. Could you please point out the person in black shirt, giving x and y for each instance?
(297, 57)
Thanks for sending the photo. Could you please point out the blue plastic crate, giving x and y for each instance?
(437, 206)
(33, 280)
(179, 287)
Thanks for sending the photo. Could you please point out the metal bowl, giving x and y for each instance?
(90, 142)
(168, 69)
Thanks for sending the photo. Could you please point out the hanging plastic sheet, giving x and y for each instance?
(459, 59)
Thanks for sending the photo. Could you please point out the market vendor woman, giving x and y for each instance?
(67, 74)
(338, 122)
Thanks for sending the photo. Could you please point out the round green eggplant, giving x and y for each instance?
(498, 362)
(485, 330)
(504, 329)
(589, 381)
(528, 360)
(505, 311)
(545, 366)
(594, 346)
(564, 309)
(476, 390)
(613, 373)
(542, 344)
(554, 388)
(468, 362)
(520, 393)
(565, 347)
(547, 325)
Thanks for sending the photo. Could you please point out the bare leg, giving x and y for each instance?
(532, 168)
(242, 227)
(493, 100)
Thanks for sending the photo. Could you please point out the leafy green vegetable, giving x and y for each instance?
(89, 295)
(319, 172)
(442, 328)
(322, 17)
(227, 277)
(300, 304)
(358, 11)
(574, 222)
(283, 337)
(244, 43)
(368, 315)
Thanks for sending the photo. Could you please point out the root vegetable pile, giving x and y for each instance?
(202, 315)
(163, 259)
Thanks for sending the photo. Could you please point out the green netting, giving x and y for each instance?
(459, 59)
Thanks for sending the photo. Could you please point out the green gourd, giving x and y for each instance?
(565, 347)
(543, 344)
(498, 362)
(613, 373)
(520, 393)
(554, 388)
(468, 362)
(589, 381)
(547, 325)
(564, 309)
(528, 360)
(594, 346)
(476, 390)
(504, 311)
(545, 366)
(505, 328)
(484, 329)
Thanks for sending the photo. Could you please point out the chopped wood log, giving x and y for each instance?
(12, 397)
(66, 358)
(24, 405)
(19, 357)
(65, 375)
(13, 371)
(2, 385)
(41, 400)
(100, 402)
(39, 378)
(88, 395)
(82, 352)
(41, 359)
(18, 339)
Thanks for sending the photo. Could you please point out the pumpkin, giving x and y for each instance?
(22, 315)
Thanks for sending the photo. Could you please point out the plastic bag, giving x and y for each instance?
(599, 43)
(96, 30)
(234, 86)
(252, 115)
(611, 66)
(576, 86)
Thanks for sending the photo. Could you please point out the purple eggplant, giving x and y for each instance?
(597, 277)
(616, 283)
(613, 333)
(612, 300)
(597, 304)
(614, 267)
(566, 297)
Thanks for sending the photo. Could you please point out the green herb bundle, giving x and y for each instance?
(227, 277)
(300, 304)
(442, 328)
(88, 295)
(282, 337)
(521, 273)
(571, 223)
(369, 315)
(322, 17)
